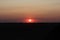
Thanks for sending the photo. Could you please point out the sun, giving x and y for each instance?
(29, 20)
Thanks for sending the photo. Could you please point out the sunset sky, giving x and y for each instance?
(18, 10)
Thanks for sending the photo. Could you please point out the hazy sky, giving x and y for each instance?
(45, 10)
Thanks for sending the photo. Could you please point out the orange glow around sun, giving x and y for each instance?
(30, 20)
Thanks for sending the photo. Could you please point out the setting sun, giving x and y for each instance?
(30, 20)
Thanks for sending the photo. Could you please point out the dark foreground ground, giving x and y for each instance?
(33, 31)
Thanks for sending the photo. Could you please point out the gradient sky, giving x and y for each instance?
(43, 10)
